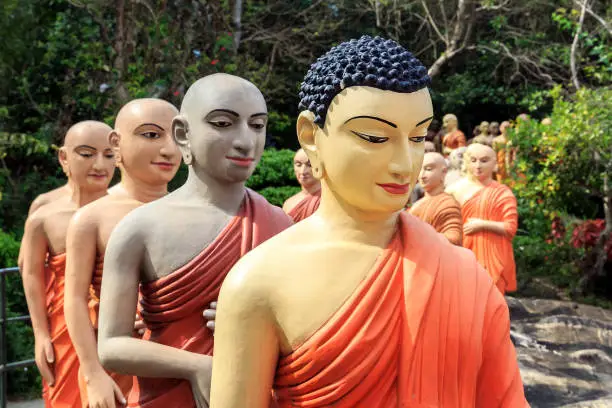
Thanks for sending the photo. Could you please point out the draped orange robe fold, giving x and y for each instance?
(65, 391)
(494, 251)
(443, 213)
(172, 306)
(306, 207)
(454, 140)
(124, 382)
(426, 328)
(49, 292)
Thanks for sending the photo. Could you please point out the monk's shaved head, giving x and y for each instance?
(480, 161)
(140, 111)
(432, 173)
(434, 159)
(479, 150)
(218, 91)
(300, 155)
(429, 147)
(80, 132)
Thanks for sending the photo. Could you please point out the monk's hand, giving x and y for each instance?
(44, 357)
(102, 391)
(139, 325)
(210, 315)
(200, 382)
(472, 225)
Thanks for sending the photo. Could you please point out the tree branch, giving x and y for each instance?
(595, 16)
(575, 46)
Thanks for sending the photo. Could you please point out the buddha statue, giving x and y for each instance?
(177, 250)
(148, 158)
(89, 162)
(376, 308)
(453, 137)
(306, 202)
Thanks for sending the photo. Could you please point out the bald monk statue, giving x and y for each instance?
(180, 248)
(453, 138)
(362, 304)
(455, 167)
(89, 162)
(437, 208)
(494, 129)
(306, 202)
(490, 216)
(148, 159)
(484, 137)
(500, 145)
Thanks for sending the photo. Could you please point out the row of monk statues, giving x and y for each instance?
(210, 296)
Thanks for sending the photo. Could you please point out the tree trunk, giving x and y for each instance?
(120, 63)
(237, 24)
(575, 46)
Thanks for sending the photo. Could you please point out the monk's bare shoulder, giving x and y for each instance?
(292, 202)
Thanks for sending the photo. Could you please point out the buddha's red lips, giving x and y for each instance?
(398, 189)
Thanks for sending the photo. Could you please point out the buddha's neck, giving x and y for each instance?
(347, 223)
(435, 191)
(140, 191)
(220, 193)
(81, 197)
(311, 189)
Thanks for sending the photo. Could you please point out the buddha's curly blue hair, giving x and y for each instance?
(374, 62)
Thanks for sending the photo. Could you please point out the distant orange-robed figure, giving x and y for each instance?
(453, 138)
(362, 305)
(500, 145)
(306, 202)
(490, 216)
(437, 208)
(89, 162)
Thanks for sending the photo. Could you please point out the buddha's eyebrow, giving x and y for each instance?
(423, 121)
(373, 117)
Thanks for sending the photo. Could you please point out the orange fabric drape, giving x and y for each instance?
(65, 391)
(454, 139)
(306, 207)
(49, 292)
(172, 306)
(443, 213)
(426, 328)
(494, 251)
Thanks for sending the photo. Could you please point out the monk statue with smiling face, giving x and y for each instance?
(179, 248)
(453, 138)
(306, 202)
(362, 304)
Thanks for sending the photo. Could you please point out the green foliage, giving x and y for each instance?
(278, 195)
(274, 170)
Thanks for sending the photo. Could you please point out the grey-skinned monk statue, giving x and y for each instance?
(362, 304)
(179, 248)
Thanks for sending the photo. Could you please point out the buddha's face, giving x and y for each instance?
(481, 162)
(145, 144)
(227, 120)
(303, 170)
(88, 158)
(371, 147)
(433, 171)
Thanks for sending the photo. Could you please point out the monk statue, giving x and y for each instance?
(306, 202)
(362, 304)
(455, 166)
(500, 145)
(179, 248)
(494, 129)
(437, 208)
(89, 162)
(430, 147)
(483, 135)
(453, 138)
(148, 159)
(490, 216)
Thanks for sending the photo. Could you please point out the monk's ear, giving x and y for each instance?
(180, 134)
(306, 133)
(62, 156)
(114, 139)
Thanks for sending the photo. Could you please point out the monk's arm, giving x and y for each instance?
(461, 140)
(36, 204)
(451, 224)
(246, 343)
(117, 349)
(80, 263)
(509, 224)
(499, 380)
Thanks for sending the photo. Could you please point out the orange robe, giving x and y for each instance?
(49, 293)
(493, 251)
(306, 207)
(426, 328)
(123, 381)
(443, 213)
(454, 139)
(65, 391)
(172, 306)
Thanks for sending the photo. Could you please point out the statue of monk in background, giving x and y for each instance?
(490, 216)
(148, 159)
(306, 202)
(484, 137)
(437, 208)
(362, 304)
(179, 248)
(455, 167)
(453, 138)
(494, 129)
(500, 145)
(89, 163)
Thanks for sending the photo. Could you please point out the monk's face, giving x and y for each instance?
(303, 170)
(371, 147)
(227, 127)
(433, 171)
(481, 162)
(494, 129)
(449, 123)
(484, 128)
(145, 145)
(88, 157)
